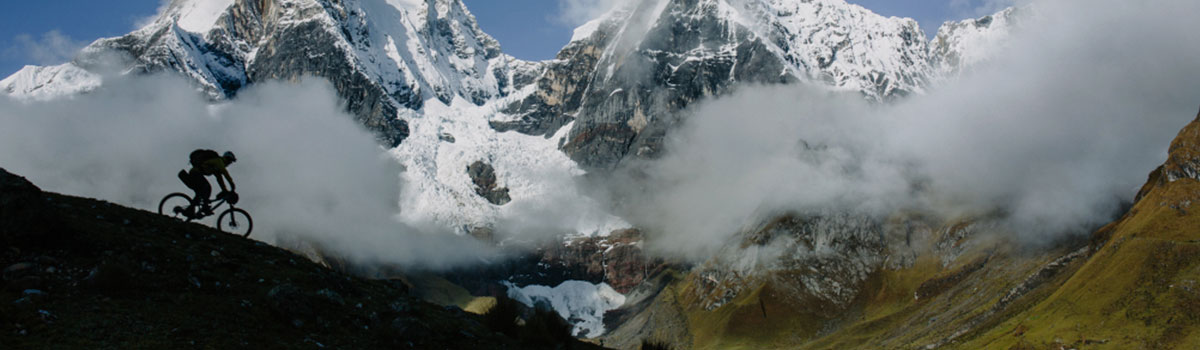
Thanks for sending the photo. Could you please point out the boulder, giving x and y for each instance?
(484, 177)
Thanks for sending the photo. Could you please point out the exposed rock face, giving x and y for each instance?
(560, 88)
(484, 177)
(626, 266)
(826, 257)
(617, 260)
(824, 262)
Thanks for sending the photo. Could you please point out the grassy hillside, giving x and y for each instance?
(81, 273)
(1141, 289)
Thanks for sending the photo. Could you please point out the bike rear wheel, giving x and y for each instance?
(235, 221)
(175, 205)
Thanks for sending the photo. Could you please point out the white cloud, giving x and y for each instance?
(978, 8)
(51, 48)
(577, 12)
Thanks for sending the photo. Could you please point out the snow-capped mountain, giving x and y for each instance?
(625, 75)
(424, 77)
(439, 91)
(382, 56)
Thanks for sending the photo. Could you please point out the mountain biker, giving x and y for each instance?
(207, 163)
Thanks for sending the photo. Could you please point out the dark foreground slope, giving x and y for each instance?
(81, 273)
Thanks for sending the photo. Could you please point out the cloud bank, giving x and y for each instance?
(1052, 134)
(306, 170)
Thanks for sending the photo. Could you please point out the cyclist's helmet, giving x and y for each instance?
(229, 157)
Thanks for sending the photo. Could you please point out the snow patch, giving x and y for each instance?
(200, 16)
(581, 303)
(540, 178)
(586, 30)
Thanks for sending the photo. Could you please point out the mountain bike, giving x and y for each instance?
(232, 220)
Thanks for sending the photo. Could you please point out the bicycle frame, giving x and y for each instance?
(214, 207)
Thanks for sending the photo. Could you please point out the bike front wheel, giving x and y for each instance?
(176, 205)
(235, 221)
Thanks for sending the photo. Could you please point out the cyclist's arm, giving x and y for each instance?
(222, 175)
(232, 186)
(221, 180)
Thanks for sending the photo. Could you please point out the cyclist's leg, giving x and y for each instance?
(189, 181)
(200, 186)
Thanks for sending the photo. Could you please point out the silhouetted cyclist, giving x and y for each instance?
(206, 162)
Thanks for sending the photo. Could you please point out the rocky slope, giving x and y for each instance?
(81, 273)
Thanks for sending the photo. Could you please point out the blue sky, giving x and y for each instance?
(47, 32)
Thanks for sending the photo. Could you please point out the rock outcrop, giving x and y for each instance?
(1183, 158)
(484, 177)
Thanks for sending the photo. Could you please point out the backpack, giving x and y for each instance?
(200, 156)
